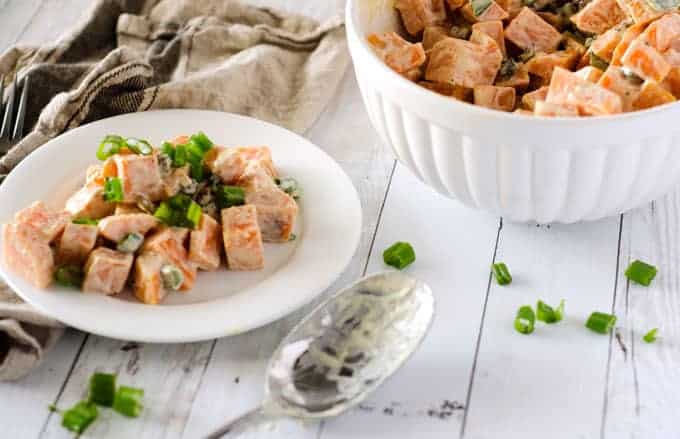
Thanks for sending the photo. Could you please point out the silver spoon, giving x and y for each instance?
(343, 350)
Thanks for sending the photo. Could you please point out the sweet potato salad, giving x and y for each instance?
(540, 57)
(151, 218)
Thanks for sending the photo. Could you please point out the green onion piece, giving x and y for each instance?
(69, 276)
(102, 388)
(131, 243)
(85, 221)
(194, 214)
(479, 6)
(180, 157)
(169, 150)
(641, 272)
(164, 213)
(546, 313)
(601, 322)
(80, 416)
(197, 171)
(525, 320)
(113, 189)
(651, 336)
(290, 186)
(138, 146)
(399, 255)
(292, 237)
(598, 62)
(202, 141)
(228, 196)
(128, 401)
(172, 277)
(109, 146)
(501, 273)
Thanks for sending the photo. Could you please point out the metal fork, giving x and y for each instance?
(13, 113)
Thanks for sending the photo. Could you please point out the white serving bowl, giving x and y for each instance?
(523, 168)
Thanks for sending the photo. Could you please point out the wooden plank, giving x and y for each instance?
(552, 381)
(245, 357)
(15, 17)
(642, 395)
(454, 246)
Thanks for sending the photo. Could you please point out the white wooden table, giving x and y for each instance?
(474, 377)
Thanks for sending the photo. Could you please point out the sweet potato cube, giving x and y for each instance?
(50, 223)
(454, 91)
(418, 14)
(204, 244)
(169, 243)
(115, 228)
(616, 80)
(543, 64)
(464, 63)
(107, 271)
(26, 252)
(645, 61)
(76, 243)
(606, 43)
(651, 95)
(627, 37)
(550, 109)
(672, 82)
(140, 176)
(242, 238)
(231, 163)
(599, 16)
(528, 31)
(432, 35)
(89, 202)
(498, 98)
(493, 12)
(148, 282)
(664, 33)
(400, 55)
(590, 73)
(529, 99)
(520, 79)
(512, 7)
(591, 99)
(494, 29)
(641, 11)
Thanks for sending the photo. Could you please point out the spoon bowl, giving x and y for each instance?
(344, 349)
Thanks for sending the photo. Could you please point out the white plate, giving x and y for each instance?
(223, 302)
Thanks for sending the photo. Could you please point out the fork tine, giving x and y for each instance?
(6, 129)
(21, 111)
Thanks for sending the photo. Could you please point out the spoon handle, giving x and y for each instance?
(245, 422)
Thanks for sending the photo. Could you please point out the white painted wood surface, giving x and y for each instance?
(474, 376)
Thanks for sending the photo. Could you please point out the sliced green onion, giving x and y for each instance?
(138, 146)
(546, 313)
(290, 186)
(501, 273)
(131, 243)
(651, 336)
(479, 6)
(399, 255)
(169, 150)
(85, 221)
(69, 276)
(597, 62)
(292, 237)
(102, 388)
(128, 401)
(180, 156)
(194, 214)
(601, 322)
(525, 320)
(113, 189)
(109, 146)
(80, 416)
(202, 141)
(179, 211)
(172, 277)
(228, 196)
(641, 272)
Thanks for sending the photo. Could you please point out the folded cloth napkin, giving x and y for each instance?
(136, 55)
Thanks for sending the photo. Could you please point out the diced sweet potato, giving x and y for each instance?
(520, 79)
(664, 33)
(498, 98)
(598, 16)
(400, 55)
(672, 82)
(464, 63)
(651, 95)
(76, 243)
(571, 44)
(615, 79)
(169, 243)
(493, 12)
(125, 208)
(552, 19)
(605, 44)
(27, 253)
(627, 37)
(550, 109)
(432, 35)
(175, 180)
(148, 283)
(645, 61)
(494, 29)
(231, 163)
(528, 31)
(529, 99)
(106, 271)
(204, 244)
(591, 99)
(523, 112)
(49, 223)
(89, 202)
(140, 176)
(418, 14)
(242, 238)
(590, 73)
(454, 91)
(512, 7)
(115, 228)
(639, 10)
(543, 64)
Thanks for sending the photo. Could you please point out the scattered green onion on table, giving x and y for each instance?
(641, 272)
(651, 336)
(399, 255)
(601, 322)
(547, 314)
(501, 273)
(525, 320)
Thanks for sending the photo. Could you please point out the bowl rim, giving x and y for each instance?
(354, 32)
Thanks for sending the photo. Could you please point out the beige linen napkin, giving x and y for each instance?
(136, 55)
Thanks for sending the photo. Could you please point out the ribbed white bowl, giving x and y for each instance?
(521, 167)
